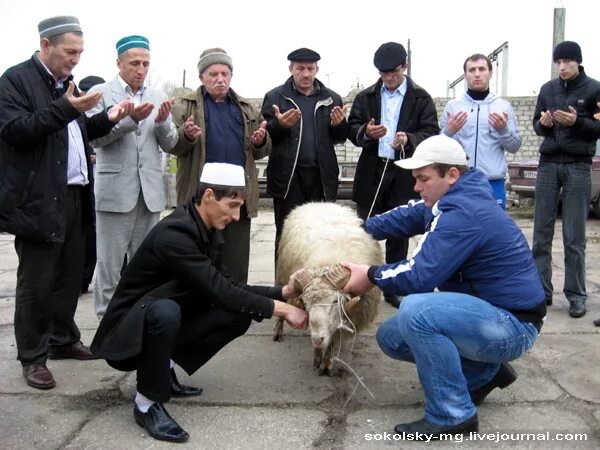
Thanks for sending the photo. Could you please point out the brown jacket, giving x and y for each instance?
(191, 156)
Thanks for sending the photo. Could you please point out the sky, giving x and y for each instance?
(259, 34)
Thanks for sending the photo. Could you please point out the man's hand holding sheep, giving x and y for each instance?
(359, 283)
(295, 317)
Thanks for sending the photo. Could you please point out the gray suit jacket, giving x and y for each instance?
(128, 158)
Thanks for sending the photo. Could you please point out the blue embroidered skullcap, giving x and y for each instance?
(132, 42)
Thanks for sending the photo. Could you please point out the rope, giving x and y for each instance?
(402, 155)
(339, 350)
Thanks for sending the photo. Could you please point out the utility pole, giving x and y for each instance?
(409, 58)
(183, 84)
(558, 34)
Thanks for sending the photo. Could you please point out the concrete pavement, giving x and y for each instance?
(260, 394)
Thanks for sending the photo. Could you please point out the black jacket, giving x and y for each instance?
(418, 119)
(181, 260)
(286, 141)
(34, 152)
(578, 142)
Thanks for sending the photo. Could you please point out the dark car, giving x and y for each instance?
(522, 175)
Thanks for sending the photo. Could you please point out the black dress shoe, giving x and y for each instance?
(71, 351)
(505, 377)
(159, 424)
(393, 300)
(577, 309)
(423, 430)
(180, 390)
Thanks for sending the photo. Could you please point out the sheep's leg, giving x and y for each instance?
(318, 358)
(278, 330)
(325, 368)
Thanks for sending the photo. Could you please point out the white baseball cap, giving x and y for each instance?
(223, 174)
(435, 149)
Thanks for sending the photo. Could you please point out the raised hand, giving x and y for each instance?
(121, 110)
(83, 103)
(141, 111)
(546, 119)
(497, 121)
(288, 118)
(164, 110)
(457, 121)
(259, 135)
(337, 116)
(375, 131)
(191, 131)
(566, 118)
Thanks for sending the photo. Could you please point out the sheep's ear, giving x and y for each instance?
(351, 304)
(301, 279)
(338, 276)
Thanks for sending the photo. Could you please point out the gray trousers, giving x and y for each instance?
(575, 181)
(117, 235)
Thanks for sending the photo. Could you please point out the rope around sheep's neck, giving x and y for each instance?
(337, 357)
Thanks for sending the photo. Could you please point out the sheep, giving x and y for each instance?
(315, 238)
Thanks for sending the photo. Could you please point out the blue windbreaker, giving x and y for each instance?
(469, 245)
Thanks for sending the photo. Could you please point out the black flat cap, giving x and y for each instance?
(88, 82)
(389, 56)
(304, 54)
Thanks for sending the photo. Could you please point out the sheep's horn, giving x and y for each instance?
(301, 279)
(338, 276)
(351, 304)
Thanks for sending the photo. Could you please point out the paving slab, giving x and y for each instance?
(218, 427)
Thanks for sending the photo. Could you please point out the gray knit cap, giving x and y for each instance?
(58, 25)
(214, 56)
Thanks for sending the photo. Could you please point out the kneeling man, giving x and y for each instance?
(176, 304)
(490, 304)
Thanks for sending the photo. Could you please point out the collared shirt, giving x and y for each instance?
(391, 104)
(77, 169)
(138, 96)
(224, 135)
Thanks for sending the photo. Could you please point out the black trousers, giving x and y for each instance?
(48, 284)
(188, 337)
(396, 249)
(236, 251)
(306, 187)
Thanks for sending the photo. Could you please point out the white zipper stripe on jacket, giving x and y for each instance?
(325, 102)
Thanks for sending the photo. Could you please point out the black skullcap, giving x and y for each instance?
(304, 54)
(567, 50)
(88, 82)
(389, 56)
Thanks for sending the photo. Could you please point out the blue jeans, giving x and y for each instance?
(498, 186)
(457, 342)
(575, 181)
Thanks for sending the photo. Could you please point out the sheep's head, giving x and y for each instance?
(325, 302)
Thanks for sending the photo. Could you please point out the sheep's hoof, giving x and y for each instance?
(323, 370)
(277, 337)
(278, 331)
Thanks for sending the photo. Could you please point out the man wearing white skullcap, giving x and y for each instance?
(175, 304)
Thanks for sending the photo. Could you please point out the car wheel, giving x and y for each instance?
(596, 207)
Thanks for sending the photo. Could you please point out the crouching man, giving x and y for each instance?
(175, 303)
(490, 304)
